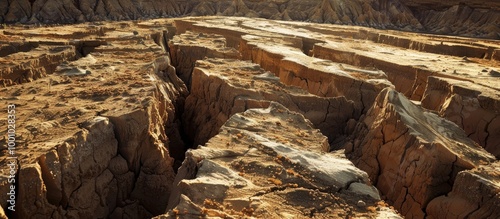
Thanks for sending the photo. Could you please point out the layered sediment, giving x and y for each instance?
(222, 88)
(472, 107)
(29, 62)
(318, 76)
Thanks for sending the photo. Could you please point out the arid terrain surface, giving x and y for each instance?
(478, 18)
(234, 117)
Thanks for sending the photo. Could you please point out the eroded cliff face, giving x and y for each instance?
(411, 155)
(107, 121)
(473, 108)
(487, 4)
(35, 64)
(61, 178)
(470, 18)
(462, 20)
(222, 88)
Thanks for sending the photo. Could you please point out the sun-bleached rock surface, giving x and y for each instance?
(318, 76)
(473, 108)
(405, 59)
(285, 56)
(411, 155)
(255, 164)
(408, 70)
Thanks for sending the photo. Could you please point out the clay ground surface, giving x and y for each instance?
(233, 117)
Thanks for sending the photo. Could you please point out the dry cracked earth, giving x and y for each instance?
(218, 117)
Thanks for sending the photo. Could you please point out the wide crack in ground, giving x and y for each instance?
(105, 119)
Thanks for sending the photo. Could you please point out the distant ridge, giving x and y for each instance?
(466, 18)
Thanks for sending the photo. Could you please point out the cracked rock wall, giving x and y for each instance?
(412, 156)
(34, 63)
(75, 176)
(82, 157)
(222, 88)
(473, 108)
(145, 136)
(114, 128)
(130, 162)
(317, 76)
(185, 49)
(475, 194)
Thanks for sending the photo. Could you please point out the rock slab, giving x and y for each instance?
(253, 166)
(412, 156)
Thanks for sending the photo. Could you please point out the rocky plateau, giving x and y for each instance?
(247, 117)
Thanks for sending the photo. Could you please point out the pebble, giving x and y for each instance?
(494, 73)
(361, 203)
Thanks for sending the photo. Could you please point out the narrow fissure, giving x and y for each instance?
(86, 47)
(179, 141)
